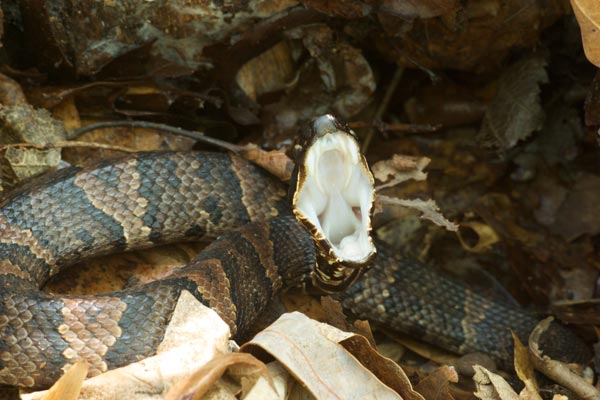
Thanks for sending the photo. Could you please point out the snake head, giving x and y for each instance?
(333, 194)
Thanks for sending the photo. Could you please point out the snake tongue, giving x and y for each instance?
(334, 194)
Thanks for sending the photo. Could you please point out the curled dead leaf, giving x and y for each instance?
(399, 169)
(556, 370)
(486, 236)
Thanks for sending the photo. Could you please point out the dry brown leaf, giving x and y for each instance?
(399, 169)
(587, 13)
(425, 350)
(275, 161)
(270, 71)
(428, 208)
(126, 138)
(384, 368)
(244, 366)
(491, 386)
(28, 162)
(516, 111)
(10, 91)
(69, 385)
(556, 370)
(309, 350)
(525, 372)
(436, 386)
(66, 111)
(22, 123)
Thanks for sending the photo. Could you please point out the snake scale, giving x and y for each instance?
(159, 197)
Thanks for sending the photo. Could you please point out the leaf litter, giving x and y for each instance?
(503, 88)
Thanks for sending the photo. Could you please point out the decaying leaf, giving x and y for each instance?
(491, 386)
(336, 78)
(436, 386)
(10, 92)
(310, 351)
(28, 162)
(477, 36)
(516, 111)
(275, 161)
(428, 208)
(177, 32)
(419, 9)
(21, 123)
(400, 168)
(587, 13)
(579, 214)
(268, 72)
(385, 369)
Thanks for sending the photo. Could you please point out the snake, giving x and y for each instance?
(267, 240)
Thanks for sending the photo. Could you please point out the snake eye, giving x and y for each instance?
(334, 194)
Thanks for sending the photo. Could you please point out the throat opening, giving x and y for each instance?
(336, 195)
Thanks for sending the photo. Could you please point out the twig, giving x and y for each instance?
(396, 128)
(156, 126)
(71, 143)
(383, 105)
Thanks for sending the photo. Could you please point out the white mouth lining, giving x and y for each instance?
(336, 196)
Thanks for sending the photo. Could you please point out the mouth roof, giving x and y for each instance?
(336, 193)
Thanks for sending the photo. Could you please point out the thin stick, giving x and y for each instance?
(383, 105)
(71, 143)
(155, 126)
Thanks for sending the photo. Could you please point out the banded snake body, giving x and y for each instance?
(160, 197)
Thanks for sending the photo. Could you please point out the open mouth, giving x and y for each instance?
(335, 194)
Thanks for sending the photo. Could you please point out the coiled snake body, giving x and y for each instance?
(155, 198)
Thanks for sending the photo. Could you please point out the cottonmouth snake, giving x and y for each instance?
(160, 197)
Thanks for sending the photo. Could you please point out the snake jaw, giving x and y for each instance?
(334, 194)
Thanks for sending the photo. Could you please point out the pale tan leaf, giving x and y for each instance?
(491, 386)
(428, 208)
(399, 169)
(309, 350)
(587, 13)
(28, 162)
(69, 385)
